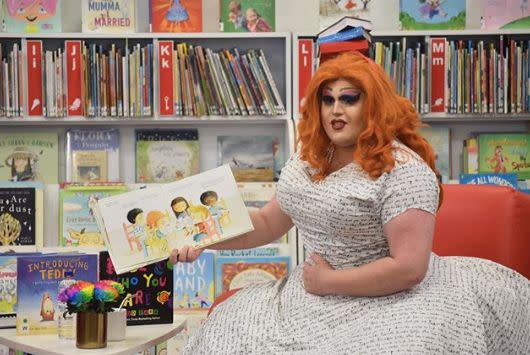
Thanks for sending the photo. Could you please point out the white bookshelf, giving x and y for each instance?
(277, 49)
(461, 125)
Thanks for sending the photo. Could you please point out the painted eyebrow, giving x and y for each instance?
(327, 88)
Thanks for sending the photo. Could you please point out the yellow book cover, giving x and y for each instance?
(90, 166)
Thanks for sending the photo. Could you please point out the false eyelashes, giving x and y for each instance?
(345, 99)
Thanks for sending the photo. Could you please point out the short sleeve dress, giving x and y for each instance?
(463, 305)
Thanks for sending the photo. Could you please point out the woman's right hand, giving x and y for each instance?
(186, 254)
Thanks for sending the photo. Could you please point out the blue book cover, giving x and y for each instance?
(37, 286)
(92, 155)
(508, 179)
(194, 283)
(432, 15)
(237, 272)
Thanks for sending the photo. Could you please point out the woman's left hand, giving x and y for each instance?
(316, 272)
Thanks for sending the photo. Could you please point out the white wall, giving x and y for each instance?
(300, 16)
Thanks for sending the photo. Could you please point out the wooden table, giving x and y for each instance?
(138, 338)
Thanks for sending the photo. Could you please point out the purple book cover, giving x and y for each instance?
(37, 286)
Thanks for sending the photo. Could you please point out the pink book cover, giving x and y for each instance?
(509, 14)
(74, 78)
(34, 57)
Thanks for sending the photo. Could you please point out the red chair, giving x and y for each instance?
(490, 222)
(485, 221)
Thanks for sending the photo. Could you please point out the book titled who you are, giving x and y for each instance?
(143, 226)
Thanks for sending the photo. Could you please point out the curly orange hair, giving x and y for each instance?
(386, 116)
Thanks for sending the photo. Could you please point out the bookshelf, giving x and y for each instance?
(277, 49)
(462, 125)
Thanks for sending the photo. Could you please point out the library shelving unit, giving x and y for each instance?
(277, 49)
(461, 125)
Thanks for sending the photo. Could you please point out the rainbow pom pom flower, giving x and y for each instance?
(85, 296)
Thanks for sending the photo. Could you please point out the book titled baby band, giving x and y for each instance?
(143, 226)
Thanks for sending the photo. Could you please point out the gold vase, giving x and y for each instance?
(91, 331)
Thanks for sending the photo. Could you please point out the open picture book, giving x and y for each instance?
(141, 227)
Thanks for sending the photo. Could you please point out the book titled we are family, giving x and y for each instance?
(142, 226)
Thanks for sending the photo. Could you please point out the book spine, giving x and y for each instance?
(34, 75)
(437, 74)
(74, 78)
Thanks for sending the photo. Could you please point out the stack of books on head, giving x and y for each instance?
(347, 34)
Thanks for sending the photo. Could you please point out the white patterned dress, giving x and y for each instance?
(463, 305)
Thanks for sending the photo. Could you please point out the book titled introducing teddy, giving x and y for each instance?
(141, 227)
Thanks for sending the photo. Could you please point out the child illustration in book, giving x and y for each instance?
(205, 226)
(22, 162)
(235, 15)
(180, 206)
(136, 217)
(31, 12)
(497, 160)
(362, 192)
(159, 229)
(219, 213)
(255, 22)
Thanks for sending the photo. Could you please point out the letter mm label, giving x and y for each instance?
(165, 74)
(437, 74)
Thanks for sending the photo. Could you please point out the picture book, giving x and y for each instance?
(92, 155)
(175, 15)
(2, 17)
(439, 137)
(29, 156)
(166, 155)
(330, 12)
(38, 278)
(250, 157)
(506, 14)
(77, 226)
(32, 16)
(194, 284)
(504, 153)
(8, 290)
(108, 16)
(142, 226)
(247, 16)
(432, 14)
(151, 287)
(236, 272)
(507, 179)
(21, 216)
(256, 195)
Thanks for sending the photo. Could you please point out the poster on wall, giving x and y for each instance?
(506, 14)
(331, 11)
(432, 14)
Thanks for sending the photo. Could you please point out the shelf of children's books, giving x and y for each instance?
(147, 121)
(479, 118)
(449, 33)
(149, 35)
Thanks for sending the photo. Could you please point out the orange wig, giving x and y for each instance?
(386, 116)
